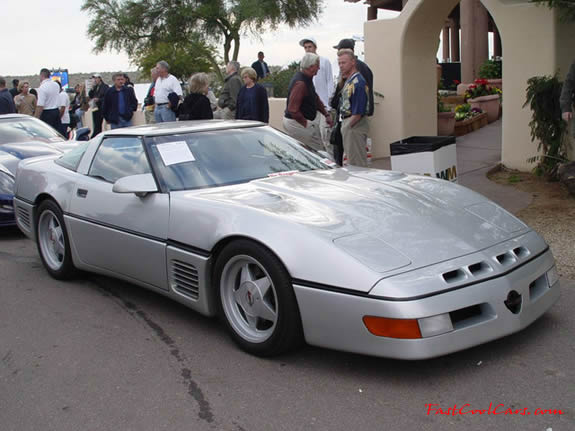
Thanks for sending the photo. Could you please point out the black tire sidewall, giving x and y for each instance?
(67, 270)
(288, 332)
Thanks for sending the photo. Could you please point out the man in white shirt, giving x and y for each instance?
(165, 85)
(324, 86)
(63, 107)
(47, 107)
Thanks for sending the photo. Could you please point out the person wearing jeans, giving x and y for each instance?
(119, 103)
(165, 85)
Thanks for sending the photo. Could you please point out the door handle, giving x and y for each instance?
(82, 193)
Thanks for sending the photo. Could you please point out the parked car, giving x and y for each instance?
(21, 137)
(237, 219)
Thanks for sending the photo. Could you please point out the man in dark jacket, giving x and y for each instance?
(6, 99)
(362, 68)
(260, 66)
(229, 94)
(303, 103)
(96, 95)
(119, 103)
(14, 90)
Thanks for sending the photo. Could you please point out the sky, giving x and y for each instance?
(44, 35)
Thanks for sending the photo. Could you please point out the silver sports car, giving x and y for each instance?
(237, 219)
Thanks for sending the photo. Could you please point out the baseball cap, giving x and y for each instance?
(96, 75)
(308, 39)
(345, 43)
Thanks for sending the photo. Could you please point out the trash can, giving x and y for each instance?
(433, 156)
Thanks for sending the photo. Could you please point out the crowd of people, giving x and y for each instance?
(322, 114)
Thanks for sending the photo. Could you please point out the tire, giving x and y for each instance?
(52, 241)
(256, 298)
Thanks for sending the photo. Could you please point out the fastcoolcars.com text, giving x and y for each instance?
(499, 409)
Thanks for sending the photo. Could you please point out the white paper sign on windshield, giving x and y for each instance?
(175, 152)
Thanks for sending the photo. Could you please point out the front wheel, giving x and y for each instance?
(52, 241)
(257, 299)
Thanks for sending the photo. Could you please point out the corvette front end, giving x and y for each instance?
(418, 315)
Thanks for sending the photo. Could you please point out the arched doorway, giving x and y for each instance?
(401, 53)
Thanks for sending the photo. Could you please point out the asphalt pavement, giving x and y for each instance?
(101, 354)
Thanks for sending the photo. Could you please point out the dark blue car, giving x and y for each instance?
(21, 137)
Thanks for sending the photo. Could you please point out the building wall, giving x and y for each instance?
(401, 53)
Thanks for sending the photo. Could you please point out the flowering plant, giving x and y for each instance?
(440, 105)
(480, 88)
(465, 111)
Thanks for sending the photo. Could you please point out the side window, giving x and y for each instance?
(119, 157)
(71, 159)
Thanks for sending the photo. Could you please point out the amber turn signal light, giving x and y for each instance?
(392, 328)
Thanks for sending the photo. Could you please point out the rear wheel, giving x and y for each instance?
(52, 241)
(257, 299)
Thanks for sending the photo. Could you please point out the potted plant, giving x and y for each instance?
(445, 119)
(491, 70)
(485, 97)
(468, 119)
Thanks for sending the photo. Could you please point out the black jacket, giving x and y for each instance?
(6, 102)
(98, 91)
(110, 104)
(368, 76)
(261, 70)
(262, 108)
(196, 106)
(309, 103)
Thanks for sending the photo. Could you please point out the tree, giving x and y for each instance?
(566, 8)
(184, 59)
(139, 26)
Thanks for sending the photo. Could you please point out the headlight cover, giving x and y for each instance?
(6, 184)
(372, 252)
(496, 216)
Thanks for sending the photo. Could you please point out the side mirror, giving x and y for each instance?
(83, 134)
(141, 185)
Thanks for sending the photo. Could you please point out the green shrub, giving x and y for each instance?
(490, 69)
(547, 126)
(281, 79)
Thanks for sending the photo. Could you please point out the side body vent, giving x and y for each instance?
(184, 279)
(24, 217)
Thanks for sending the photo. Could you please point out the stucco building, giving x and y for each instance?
(402, 54)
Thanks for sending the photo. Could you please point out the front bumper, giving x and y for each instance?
(7, 210)
(334, 320)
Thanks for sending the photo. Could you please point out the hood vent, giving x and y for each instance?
(482, 269)
(184, 279)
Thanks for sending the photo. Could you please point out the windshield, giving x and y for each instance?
(221, 157)
(14, 130)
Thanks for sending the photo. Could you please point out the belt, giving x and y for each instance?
(161, 104)
(51, 109)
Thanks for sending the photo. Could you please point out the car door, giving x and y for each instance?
(120, 232)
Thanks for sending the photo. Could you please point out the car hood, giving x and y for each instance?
(8, 163)
(386, 220)
(25, 150)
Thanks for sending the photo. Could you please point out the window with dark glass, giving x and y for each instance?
(119, 157)
(223, 157)
(72, 158)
